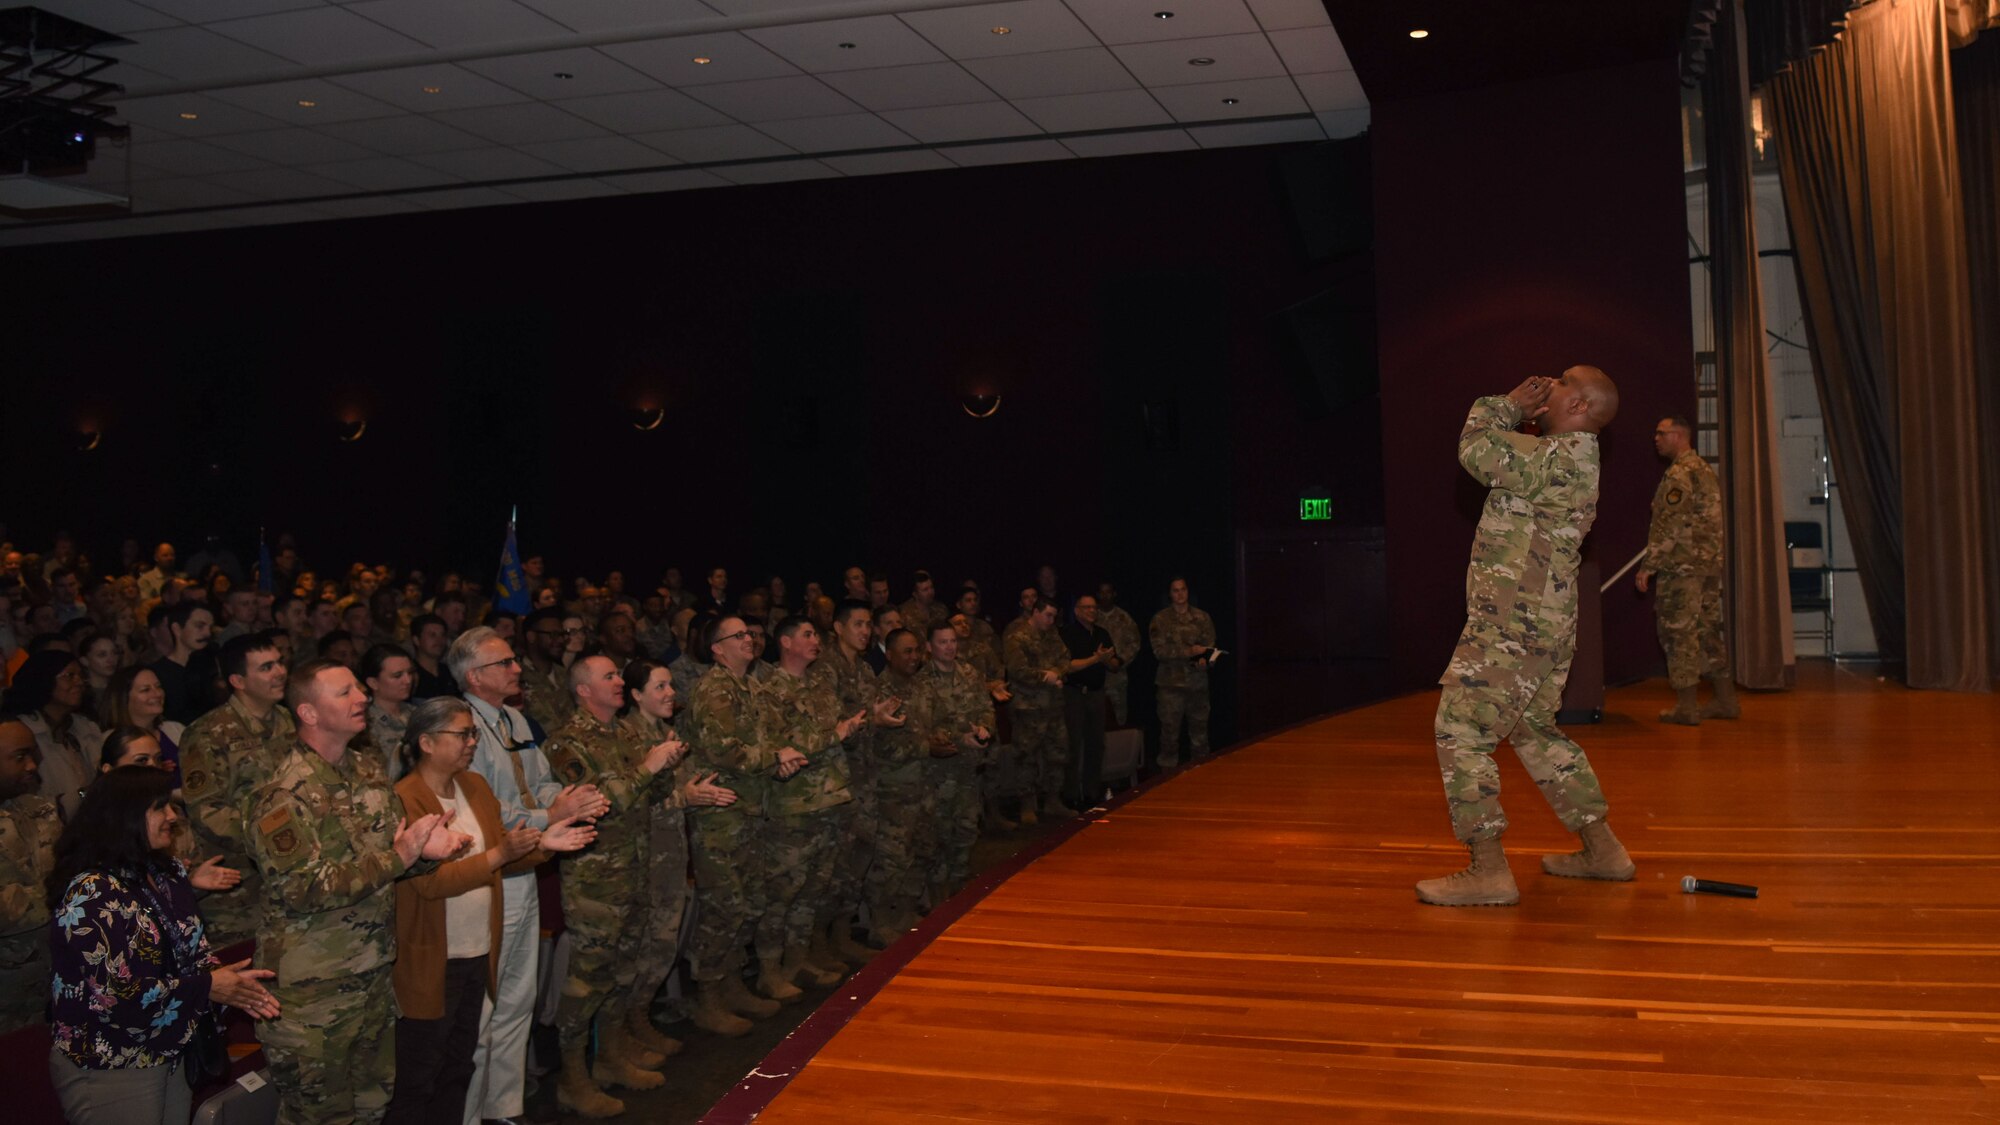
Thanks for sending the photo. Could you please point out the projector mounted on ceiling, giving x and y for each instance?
(53, 111)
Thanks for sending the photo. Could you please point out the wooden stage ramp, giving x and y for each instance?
(1241, 943)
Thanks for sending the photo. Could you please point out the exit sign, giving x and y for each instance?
(1315, 507)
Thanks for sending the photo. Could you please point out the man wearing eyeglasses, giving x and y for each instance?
(544, 694)
(510, 758)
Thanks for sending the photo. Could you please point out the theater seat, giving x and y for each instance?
(1124, 753)
(239, 1104)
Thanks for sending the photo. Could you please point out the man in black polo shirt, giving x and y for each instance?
(187, 670)
(1092, 655)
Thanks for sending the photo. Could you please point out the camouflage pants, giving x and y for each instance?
(234, 917)
(24, 979)
(332, 1054)
(805, 847)
(729, 877)
(1118, 688)
(1515, 705)
(858, 828)
(1176, 703)
(903, 837)
(605, 939)
(1041, 749)
(666, 905)
(955, 781)
(1689, 612)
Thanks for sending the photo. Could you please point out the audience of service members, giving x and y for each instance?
(321, 799)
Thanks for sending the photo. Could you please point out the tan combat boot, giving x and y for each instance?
(1028, 817)
(1724, 705)
(822, 955)
(840, 932)
(1602, 857)
(742, 1001)
(646, 1035)
(621, 1062)
(771, 981)
(576, 1093)
(1686, 711)
(1054, 809)
(712, 1014)
(995, 819)
(1486, 882)
(795, 965)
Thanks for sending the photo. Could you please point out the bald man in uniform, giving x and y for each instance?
(1506, 677)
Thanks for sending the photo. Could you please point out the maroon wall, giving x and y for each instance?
(1522, 228)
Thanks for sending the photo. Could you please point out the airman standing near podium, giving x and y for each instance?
(1684, 551)
(1506, 677)
(1182, 636)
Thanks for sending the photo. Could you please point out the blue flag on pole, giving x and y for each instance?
(510, 590)
(264, 584)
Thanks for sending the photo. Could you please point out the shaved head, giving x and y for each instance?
(1584, 399)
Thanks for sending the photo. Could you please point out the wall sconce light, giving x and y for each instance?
(980, 405)
(351, 429)
(87, 440)
(646, 418)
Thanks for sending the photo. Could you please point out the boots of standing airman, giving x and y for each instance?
(1686, 712)
(1485, 882)
(1602, 857)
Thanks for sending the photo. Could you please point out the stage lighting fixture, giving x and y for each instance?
(648, 418)
(980, 405)
(87, 440)
(351, 429)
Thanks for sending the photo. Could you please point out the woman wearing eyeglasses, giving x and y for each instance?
(448, 922)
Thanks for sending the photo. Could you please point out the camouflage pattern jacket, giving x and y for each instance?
(585, 750)
(1685, 538)
(1172, 633)
(225, 756)
(1030, 653)
(720, 728)
(802, 712)
(28, 830)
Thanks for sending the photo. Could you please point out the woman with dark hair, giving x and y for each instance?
(47, 696)
(390, 676)
(448, 922)
(128, 746)
(136, 698)
(102, 655)
(132, 972)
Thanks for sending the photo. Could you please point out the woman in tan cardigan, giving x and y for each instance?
(448, 921)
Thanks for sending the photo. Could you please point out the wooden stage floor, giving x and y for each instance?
(1242, 943)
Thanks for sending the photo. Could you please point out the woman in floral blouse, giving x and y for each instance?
(132, 970)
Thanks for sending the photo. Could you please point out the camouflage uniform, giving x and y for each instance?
(730, 863)
(545, 694)
(28, 830)
(686, 672)
(962, 703)
(665, 884)
(906, 804)
(854, 684)
(604, 904)
(1181, 682)
(1684, 552)
(918, 618)
(1040, 754)
(322, 835)
(810, 811)
(1506, 677)
(1125, 639)
(385, 739)
(225, 756)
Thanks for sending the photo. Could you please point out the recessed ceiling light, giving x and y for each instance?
(564, 74)
(189, 116)
(1420, 33)
(1229, 101)
(306, 104)
(1002, 30)
(1202, 61)
(702, 60)
(847, 46)
(433, 89)
(1163, 15)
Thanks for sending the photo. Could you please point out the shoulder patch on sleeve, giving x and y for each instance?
(1675, 495)
(565, 764)
(278, 831)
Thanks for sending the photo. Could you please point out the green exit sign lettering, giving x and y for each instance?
(1315, 507)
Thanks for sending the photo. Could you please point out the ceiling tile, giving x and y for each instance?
(597, 154)
(1135, 21)
(450, 24)
(364, 206)
(1009, 152)
(193, 52)
(1275, 15)
(119, 17)
(381, 173)
(330, 102)
(777, 172)
(191, 158)
(870, 42)
(1254, 97)
(1085, 71)
(907, 87)
(209, 11)
(400, 136)
(1257, 133)
(1032, 26)
(647, 111)
(320, 36)
(292, 147)
(732, 58)
(1236, 56)
(668, 181)
(519, 124)
(590, 72)
(837, 133)
(1344, 122)
(1128, 144)
(721, 142)
(279, 183)
(775, 99)
(457, 88)
(883, 163)
(1332, 90)
(1311, 50)
(487, 164)
(556, 190)
(456, 199)
(172, 195)
(1078, 113)
(940, 124)
(621, 15)
(212, 117)
(273, 216)
(762, 7)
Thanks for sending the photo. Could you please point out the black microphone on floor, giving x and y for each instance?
(1691, 885)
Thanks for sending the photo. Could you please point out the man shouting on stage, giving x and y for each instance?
(1506, 677)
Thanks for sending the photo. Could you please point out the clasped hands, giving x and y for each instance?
(1532, 396)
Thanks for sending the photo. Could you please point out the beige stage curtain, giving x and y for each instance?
(1975, 86)
(1760, 611)
(1868, 156)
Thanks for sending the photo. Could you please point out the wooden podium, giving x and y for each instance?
(1583, 696)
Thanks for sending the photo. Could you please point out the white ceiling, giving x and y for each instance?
(436, 104)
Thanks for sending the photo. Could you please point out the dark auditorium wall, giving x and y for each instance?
(809, 343)
(1587, 264)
